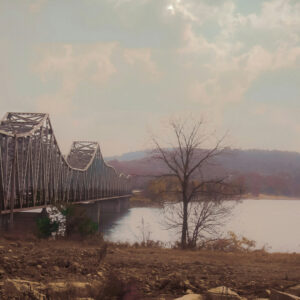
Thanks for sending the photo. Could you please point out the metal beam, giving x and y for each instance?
(34, 173)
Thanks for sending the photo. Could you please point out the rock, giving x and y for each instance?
(32, 263)
(191, 297)
(57, 287)
(187, 283)
(222, 292)
(164, 282)
(100, 274)
(82, 289)
(263, 294)
(76, 266)
(295, 290)
(56, 268)
(277, 295)
(80, 285)
(18, 288)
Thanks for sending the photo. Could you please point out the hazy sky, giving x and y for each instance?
(108, 70)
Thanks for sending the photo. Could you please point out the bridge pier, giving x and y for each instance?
(124, 204)
(112, 206)
(100, 210)
(23, 223)
(115, 205)
(92, 211)
(4, 222)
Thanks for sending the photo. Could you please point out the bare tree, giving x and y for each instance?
(188, 161)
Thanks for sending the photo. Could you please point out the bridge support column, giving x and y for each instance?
(114, 205)
(24, 223)
(93, 211)
(4, 222)
(102, 211)
(118, 205)
(124, 204)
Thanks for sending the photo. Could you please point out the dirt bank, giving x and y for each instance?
(146, 273)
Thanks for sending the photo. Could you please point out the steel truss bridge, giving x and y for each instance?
(34, 173)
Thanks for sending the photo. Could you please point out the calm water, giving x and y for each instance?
(274, 223)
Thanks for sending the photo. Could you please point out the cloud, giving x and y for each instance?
(143, 57)
(77, 63)
(36, 5)
(229, 62)
(277, 14)
(148, 57)
(118, 3)
(231, 78)
(71, 65)
(273, 126)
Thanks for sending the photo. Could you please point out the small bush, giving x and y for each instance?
(77, 222)
(45, 226)
(232, 243)
(87, 227)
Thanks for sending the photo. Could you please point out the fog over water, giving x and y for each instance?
(274, 223)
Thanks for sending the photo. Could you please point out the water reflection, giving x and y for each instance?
(272, 222)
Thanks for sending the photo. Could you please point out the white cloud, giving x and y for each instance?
(143, 57)
(277, 14)
(193, 55)
(229, 62)
(77, 63)
(71, 65)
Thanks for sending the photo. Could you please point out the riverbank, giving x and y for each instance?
(139, 200)
(268, 197)
(65, 269)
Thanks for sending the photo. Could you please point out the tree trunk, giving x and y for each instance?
(184, 224)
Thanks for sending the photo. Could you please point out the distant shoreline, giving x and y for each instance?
(268, 197)
(139, 201)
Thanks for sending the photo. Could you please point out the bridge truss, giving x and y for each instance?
(33, 171)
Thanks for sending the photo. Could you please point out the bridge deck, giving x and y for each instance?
(3, 212)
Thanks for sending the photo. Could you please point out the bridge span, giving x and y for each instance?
(34, 173)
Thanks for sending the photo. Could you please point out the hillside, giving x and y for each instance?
(262, 171)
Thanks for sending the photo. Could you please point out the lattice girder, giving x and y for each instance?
(33, 171)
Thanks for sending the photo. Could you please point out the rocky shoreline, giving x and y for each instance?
(91, 269)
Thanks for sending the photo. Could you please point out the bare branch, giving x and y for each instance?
(185, 161)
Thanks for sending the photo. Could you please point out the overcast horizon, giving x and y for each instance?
(113, 70)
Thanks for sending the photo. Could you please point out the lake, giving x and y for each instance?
(273, 223)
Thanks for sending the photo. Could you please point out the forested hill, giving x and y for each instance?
(262, 161)
(262, 171)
